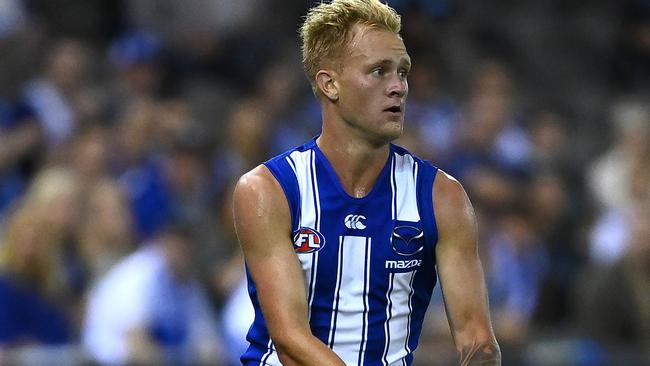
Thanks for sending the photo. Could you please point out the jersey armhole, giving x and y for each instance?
(425, 203)
(283, 173)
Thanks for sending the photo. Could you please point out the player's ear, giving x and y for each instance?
(327, 85)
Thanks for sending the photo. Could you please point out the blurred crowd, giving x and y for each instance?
(125, 124)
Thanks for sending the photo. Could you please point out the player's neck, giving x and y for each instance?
(357, 163)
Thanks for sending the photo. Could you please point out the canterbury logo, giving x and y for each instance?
(354, 222)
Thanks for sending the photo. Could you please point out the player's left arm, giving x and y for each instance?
(461, 274)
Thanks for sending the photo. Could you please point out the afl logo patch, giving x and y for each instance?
(308, 240)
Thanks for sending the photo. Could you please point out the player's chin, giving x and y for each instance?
(392, 130)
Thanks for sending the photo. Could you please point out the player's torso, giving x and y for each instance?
(368, 263)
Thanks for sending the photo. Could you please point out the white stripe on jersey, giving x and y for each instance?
(404, 174)
(366, 305)
(397, 325)
(304, 166)
(389, 308)
(335, 302)
(315, 189)
(303, 163)
(405, 171)
(349, 312)
(270, 358)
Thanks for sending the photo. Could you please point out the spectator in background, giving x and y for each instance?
(289, 123)
(245, 144)
(550, 212)
(493, 125)
(432, 115)
(186, 173)
(106, 229)
(39, 296)
(32, 285)
(238, 314)
(89, 153)
(611, 178)
(493, 153)
(613, 303)
(549, 139)
(149, 309)
(136, 58)
(610, 174)
(516, 264)
(54, 198)
(139, 167)
(58, 96)
(229, 283)
(20, 136)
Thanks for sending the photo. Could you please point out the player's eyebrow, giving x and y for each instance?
(405, 62)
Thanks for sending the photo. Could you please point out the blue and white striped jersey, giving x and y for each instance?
(368, 263)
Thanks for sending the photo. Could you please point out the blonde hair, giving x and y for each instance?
(326, 30)
(30, 246)
(25, 229)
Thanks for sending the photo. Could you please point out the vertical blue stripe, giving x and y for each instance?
(314, 257)
(325, 280)
(337, 294)
(296, 224)
(408, 326)
(294, 202)
(268, 353)
(292, 163)
(415, 172)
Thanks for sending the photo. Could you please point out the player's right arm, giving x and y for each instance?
(263, 224)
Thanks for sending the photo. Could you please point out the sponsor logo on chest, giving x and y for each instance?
(403, 264)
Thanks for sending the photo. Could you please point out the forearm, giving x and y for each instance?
(480, 353)
(308, 351)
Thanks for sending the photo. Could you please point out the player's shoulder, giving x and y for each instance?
(447, 187)
(258, 180)
(450, 201)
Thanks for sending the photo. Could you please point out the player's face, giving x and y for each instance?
(372, 83)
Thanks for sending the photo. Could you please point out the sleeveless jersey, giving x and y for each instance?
(368, 263)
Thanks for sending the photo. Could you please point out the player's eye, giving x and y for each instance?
(379, 71)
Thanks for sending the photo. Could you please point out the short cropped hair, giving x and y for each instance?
(326, 29)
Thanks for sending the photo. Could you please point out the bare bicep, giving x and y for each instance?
(263, 224)
(459, 266)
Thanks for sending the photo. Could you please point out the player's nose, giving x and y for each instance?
(398, 87)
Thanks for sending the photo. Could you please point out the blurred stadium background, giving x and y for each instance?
(124, 124)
